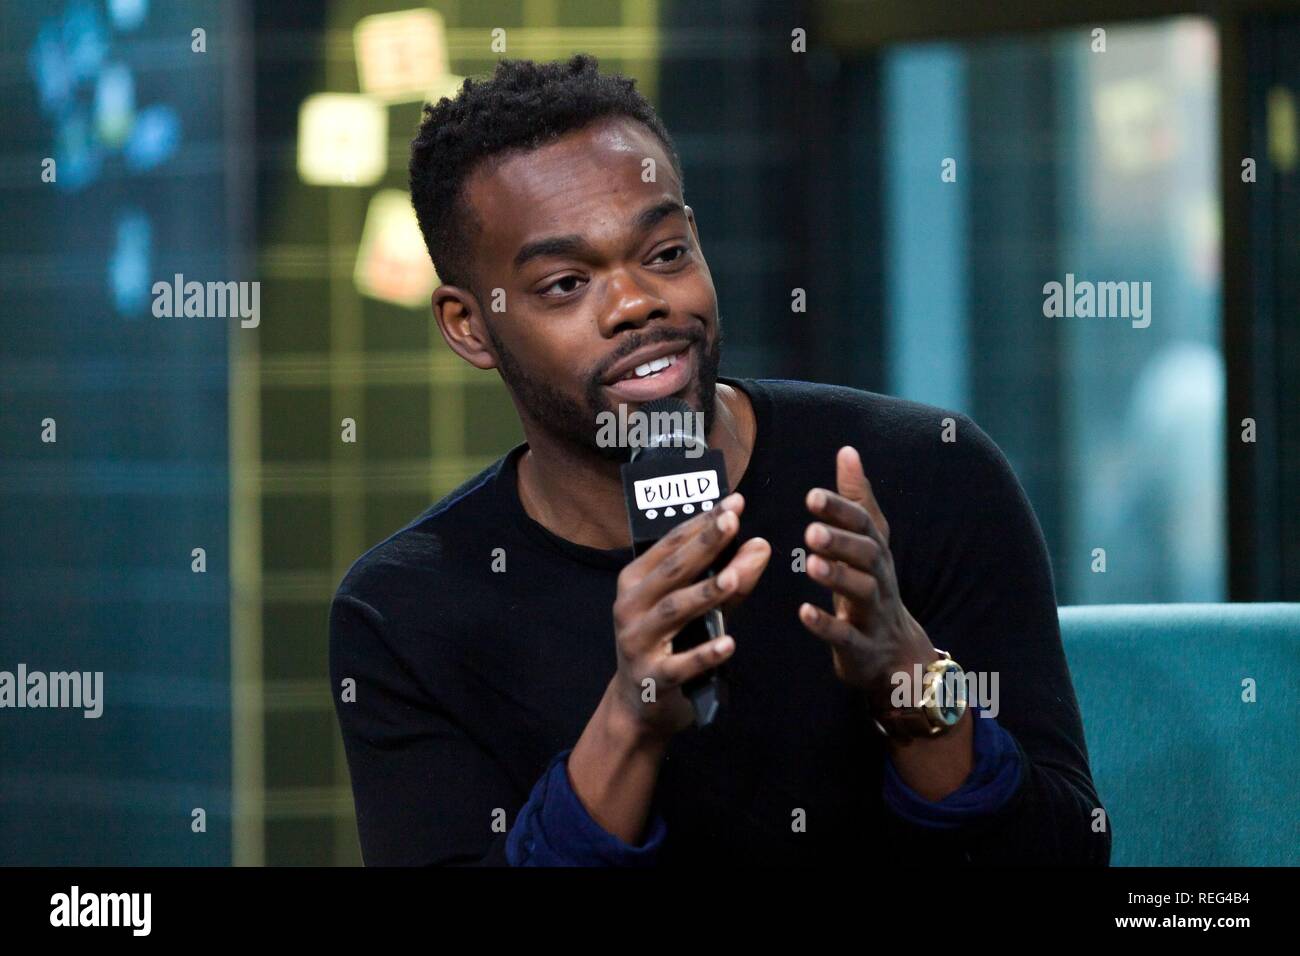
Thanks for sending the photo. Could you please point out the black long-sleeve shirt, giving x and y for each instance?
(472, 676)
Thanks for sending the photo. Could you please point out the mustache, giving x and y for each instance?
(631, 345)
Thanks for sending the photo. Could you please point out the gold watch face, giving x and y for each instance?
(945, 696)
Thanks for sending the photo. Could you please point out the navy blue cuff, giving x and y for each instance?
(554, 829)
(993, 780)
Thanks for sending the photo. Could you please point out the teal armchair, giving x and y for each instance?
(1190, 773)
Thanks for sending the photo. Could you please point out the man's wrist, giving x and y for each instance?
(927, 742)
(935, 767)
(926, 700)
(923, 650)
(904, 672)
(624, 729)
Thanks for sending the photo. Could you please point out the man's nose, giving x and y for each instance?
(631, 305)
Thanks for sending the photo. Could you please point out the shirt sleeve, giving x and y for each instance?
(993, 780)
(976, 575)
(426, 793)
(555, 829)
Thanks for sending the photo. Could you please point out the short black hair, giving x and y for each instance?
(521, 107)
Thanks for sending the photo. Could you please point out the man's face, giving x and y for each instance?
(597, 268)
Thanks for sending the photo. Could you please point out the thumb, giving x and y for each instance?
(850, 480)
(852, 483)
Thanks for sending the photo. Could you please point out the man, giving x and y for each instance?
(517, 695)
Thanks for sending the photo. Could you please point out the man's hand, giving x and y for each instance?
(656, 599)
(871, 634)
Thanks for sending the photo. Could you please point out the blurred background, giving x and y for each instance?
(920, 169)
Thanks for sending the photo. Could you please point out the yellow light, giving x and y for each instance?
(1136, 126)
(1282, 148)
(447, 85)
(400, 55)
(392, 264)
(342, 140)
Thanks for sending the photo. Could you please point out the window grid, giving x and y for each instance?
(275, 466)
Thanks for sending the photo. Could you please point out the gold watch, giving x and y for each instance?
(943, 702)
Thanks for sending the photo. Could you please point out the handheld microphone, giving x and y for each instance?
(669, 480)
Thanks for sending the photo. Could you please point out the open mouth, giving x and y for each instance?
(652, 368)
(657, 378)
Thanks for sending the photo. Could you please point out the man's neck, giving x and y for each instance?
(580, 499)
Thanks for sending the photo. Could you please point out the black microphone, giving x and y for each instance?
(671, 478)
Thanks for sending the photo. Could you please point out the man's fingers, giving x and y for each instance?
(851, 650)
(672, 611)
(850, 480)
(749, 561)
(852, 483)
(689, 561)
(837, 510)
(831, 629)
(671, 545)
(861, 588)
(677, 669)
(836, 544)
(688, 531)
(663, 620)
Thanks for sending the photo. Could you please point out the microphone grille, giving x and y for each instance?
(668, 405)
(677, 416)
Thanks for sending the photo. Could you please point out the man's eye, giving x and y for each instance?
(680, 250)
(573, 280)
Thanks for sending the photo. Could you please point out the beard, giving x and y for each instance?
(573, 422)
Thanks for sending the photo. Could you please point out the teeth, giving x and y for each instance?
(658, 365)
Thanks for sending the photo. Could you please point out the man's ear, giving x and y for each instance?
(460, 320)
(695, 231)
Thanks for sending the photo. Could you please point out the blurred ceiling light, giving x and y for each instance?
(128, 266)
(1134, 125)
(154, 137)
(1201, 234)
(1282, 147)
(392, 264)
(85, 39)
(400, 56)
(342, 140)
(447, 85)
(127, 14)
(81, 158)
(114, 105)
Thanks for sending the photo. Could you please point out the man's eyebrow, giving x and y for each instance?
(575, 245)
(647, 219)
(572, 245)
